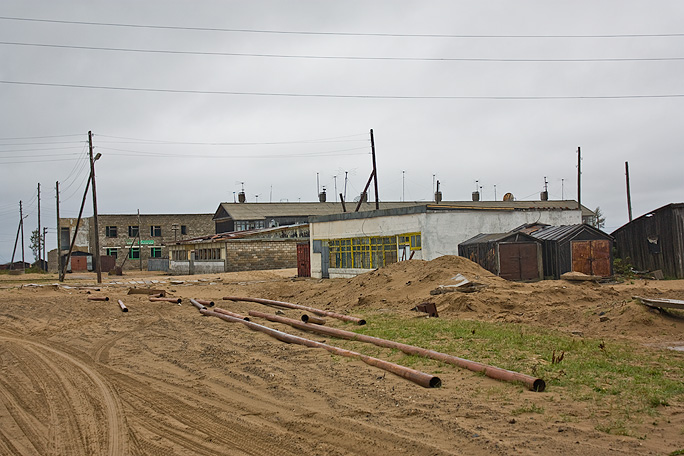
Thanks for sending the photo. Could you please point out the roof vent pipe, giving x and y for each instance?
(322, 196)
(438, 194)
(544, 196)
(241, 197)
(476, 196)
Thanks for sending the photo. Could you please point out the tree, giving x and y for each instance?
(599, 218)
(36, 243)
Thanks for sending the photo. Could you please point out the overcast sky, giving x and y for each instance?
(498, 92)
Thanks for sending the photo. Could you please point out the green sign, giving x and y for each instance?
(143, 242)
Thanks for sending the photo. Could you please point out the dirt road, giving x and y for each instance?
(80, 377)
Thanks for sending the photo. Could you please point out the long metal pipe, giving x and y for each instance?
(289, 305)
(534, 384)
(421, 378)
(98, 298)
(174, 300)
(199, 306)
(228, 312)
(205, 302)
(311, 319)
(123, 306)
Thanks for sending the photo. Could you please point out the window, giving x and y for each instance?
(66, 238)
(184, 229)
(134, 253)
(155, 231)
(133, 231)
(250, 225)
(179, 255)
(110, 231)
(113, 252)
(208, 254)
(155, 252)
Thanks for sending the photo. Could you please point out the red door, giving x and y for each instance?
(591, 257)
(79, 263)
(303, 260)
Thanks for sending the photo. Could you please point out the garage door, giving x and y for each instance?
(591, 257)
(518, 261)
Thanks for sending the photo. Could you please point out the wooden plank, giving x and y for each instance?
(659, 302)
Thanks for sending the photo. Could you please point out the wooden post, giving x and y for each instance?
(629, 193)
(98, 266)
(579, 179)
(375, 171)
(60, 272)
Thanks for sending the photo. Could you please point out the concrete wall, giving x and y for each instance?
(209, 266)
(179, 267)
(443, 231)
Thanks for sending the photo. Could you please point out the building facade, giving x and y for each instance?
(345, 245)
(135, 239)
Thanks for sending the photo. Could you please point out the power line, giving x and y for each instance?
(321, 33)
(37, 137)
(127, 152)
(340, 57)
(319, 95)
(185, 143)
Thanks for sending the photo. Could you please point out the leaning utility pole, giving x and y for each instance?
(579, 179)
(60, 273)
(629, 193)
(375, 171)
(98, 266)
(39, 232)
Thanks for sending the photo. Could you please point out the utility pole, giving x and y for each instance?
(21, 218)
(403, 183)
(60, 273)
(139, 242)
(16, 240)
(44, 257)
(39, 231)
(629, 193)
(579, 178)
(375, 171)
(98, 265)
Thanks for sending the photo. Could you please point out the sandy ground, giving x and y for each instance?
(80, 377)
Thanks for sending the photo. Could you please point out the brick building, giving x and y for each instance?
(137, 238)
(248, 250)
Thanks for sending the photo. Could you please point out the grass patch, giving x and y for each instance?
(631, 382)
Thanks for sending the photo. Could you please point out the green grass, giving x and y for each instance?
(630, 381)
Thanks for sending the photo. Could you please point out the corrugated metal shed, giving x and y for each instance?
(512, 255)
(580, 248)
(655, 240)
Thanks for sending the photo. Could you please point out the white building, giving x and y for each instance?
(351, 243)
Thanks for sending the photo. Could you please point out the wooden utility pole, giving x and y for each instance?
(21, 218)
(78, 222)
(375, 171)
(98, 266)
(39, 231)
(44, 256)
(629, 193)
(579, 179)
(60, 273)
(16, 240)
(139, 242)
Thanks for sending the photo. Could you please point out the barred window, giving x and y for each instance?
(208, 254)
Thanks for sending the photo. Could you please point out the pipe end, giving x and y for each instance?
(435, 382)
(539, 385)
(362, 322)
(124, 310)
(106, 298)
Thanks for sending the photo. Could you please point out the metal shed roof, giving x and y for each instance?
(495, 237)
(560, 233)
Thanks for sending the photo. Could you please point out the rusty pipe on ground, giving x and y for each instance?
(289, 305)
(160, 299)
(123, 306)
(232, 314)
(98, 298)
(311, 319)
(534, 384)
(421, 378)
(205, 302)
(199, 306)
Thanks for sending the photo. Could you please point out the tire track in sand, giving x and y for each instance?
(60, 365)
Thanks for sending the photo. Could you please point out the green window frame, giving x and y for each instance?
(155, 252)
(134, 253)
